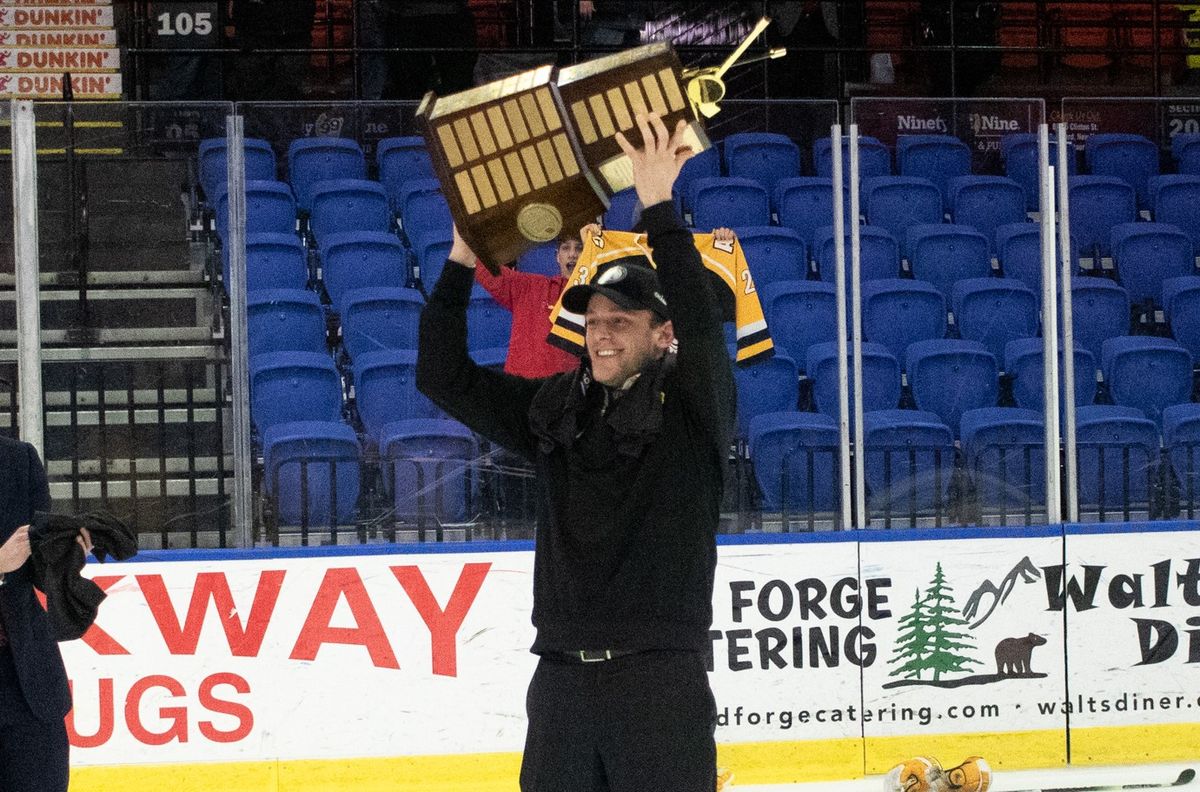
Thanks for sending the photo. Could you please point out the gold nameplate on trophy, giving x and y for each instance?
(524, 159)
(508, 165)
(606, 94)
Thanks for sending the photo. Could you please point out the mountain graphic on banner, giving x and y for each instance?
(935, 642)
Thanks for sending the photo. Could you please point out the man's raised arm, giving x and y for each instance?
(493, 404)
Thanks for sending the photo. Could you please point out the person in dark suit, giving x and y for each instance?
(34, 696)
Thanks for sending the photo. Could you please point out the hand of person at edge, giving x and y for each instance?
(656, 165)
(15, 551)
(460, 251)
(588, 231)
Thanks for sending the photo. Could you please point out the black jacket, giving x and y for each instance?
(629, 498)
(24, 492)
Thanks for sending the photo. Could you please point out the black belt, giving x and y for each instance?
(588, 655)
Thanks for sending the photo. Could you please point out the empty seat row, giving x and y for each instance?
(316, 159)
(948, 377)
(372, 319)
(911, 462)
(312, 471)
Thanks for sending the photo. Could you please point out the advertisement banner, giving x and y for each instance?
(971, 649)
(832, 654)
(59, 60)
(98, 16)
(49, 86)
(58, 38)
(1132, 607)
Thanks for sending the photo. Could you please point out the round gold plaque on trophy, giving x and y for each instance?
(539, 222)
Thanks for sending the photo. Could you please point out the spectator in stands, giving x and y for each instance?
(611, 23)
(630, 451)
(531, 297)
(263, 26)
(34, 696)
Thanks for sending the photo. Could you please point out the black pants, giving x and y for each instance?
(34, 754)
(631, 724)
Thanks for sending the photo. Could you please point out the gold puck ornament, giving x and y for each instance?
(539, 222)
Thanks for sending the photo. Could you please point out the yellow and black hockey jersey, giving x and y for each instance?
(724, 259)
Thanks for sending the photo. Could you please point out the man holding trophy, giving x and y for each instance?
(629, 450)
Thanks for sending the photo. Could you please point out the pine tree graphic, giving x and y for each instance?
(928, 639)
(913, 644)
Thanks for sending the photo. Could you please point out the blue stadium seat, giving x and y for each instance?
(1005, 453)
(431, 462)
(994, 311)
(729, 201)
(704, 165)
(361, 259)
(340, 205)
(1181, 304)
(430, 252)
(294, 386)
(540, 260)
(943, 254)
(798, 452)
(909, 462)
(1185, 150)
(1107, 438)
(489, 325)
(896, 313)
(874, 158)
(385, 390)
(374, 319)
(1099, 310)
(423, 209)
(621, 209)
(1181, 438)
(986, 203)
(1019, 251)
(799, 314)
(313, 458)
(492, 357)
(1175, 199)
(273, 261)
(769, 386)
(213, 165)
(1097, 204)
(270, 209)
(879, 255)
(1131, 158)
(284, 320)
(400, 160)
(1146, 372)
(1023, 362)
(773, 254)
(881, 377)
(1020, 154)
(1146, 254)
(765, 157)
(804, 204)
(315, 159)
(949, 376)
(899, 202)
(938, 158)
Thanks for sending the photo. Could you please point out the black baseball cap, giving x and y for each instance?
(630, 282)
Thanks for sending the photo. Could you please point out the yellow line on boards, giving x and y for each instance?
(1163, 742)
(781, 762)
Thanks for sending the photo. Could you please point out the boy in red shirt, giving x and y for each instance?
(530, 297)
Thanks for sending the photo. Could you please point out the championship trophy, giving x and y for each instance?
(521, 159)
